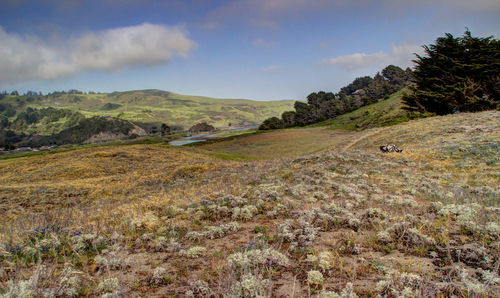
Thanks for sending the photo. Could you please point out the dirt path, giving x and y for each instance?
(366, 135)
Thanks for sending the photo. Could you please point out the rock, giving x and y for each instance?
(390, 148)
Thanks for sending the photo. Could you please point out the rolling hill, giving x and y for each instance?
(156, 106)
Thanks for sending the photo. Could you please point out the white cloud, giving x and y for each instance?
(272, 68)
(29, 57)
(400, 55)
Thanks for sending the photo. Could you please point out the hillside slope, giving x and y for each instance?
(152, 220)
(160, 107)
(382, 113)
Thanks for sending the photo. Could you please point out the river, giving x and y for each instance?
(204, 137)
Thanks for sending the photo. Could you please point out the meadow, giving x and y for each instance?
(309, 212)
(339, 132)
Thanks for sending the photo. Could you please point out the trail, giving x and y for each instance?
(364, 136)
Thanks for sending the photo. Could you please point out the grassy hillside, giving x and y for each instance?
(154, 220)
(383, 113)
(159, 106)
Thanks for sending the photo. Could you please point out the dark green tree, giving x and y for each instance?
(456, 75)
(271, 123)
(377, 88)
(165, 129)
(4, 122)
(288, 118)
(304, 113)
(397, 77)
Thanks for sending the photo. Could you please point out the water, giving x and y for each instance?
(202, 138)
(197, 136)
(243, 128)
(184, 142)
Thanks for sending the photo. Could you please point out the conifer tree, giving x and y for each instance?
(456, 75)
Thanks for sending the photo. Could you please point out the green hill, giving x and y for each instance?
(157, 106)
(385, 112)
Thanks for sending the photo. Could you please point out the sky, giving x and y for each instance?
(255, 49)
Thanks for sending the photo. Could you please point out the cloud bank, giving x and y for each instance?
(400, 55)
(24, 57)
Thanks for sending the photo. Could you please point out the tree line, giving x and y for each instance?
(321, 105)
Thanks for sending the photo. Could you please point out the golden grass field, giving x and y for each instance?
(282, 143)
(319, 213)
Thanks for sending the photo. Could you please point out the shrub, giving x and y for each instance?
(315, 278)
(193, 252)
(272, 123)
(251, 286)
(300, 234)
(159, 276)
(245, 212)
(109, 286)
(257, 257)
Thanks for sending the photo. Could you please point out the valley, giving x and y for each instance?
(162, 220)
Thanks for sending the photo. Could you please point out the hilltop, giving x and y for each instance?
(329, 213)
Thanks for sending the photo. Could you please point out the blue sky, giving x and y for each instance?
(257, 49)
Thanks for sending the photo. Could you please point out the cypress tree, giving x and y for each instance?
(456, 75)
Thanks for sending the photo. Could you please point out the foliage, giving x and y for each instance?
(322, 105)
(358, 83)
(272, 123)
(7, 109)
(4, 122)
(31, 116)
(92, 126)
(457, 74)
(9, 137)
(386, 112)
(164, 129)
(110, 106)
(200, 127)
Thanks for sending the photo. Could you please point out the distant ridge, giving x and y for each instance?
(156, 106)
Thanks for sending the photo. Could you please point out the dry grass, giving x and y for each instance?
(282, 143)
(148, 220)
(103, 178)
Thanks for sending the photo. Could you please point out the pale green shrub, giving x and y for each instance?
(193, 252)
(315, 277)
(109, 286)
(244, 213)
(256, 257)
